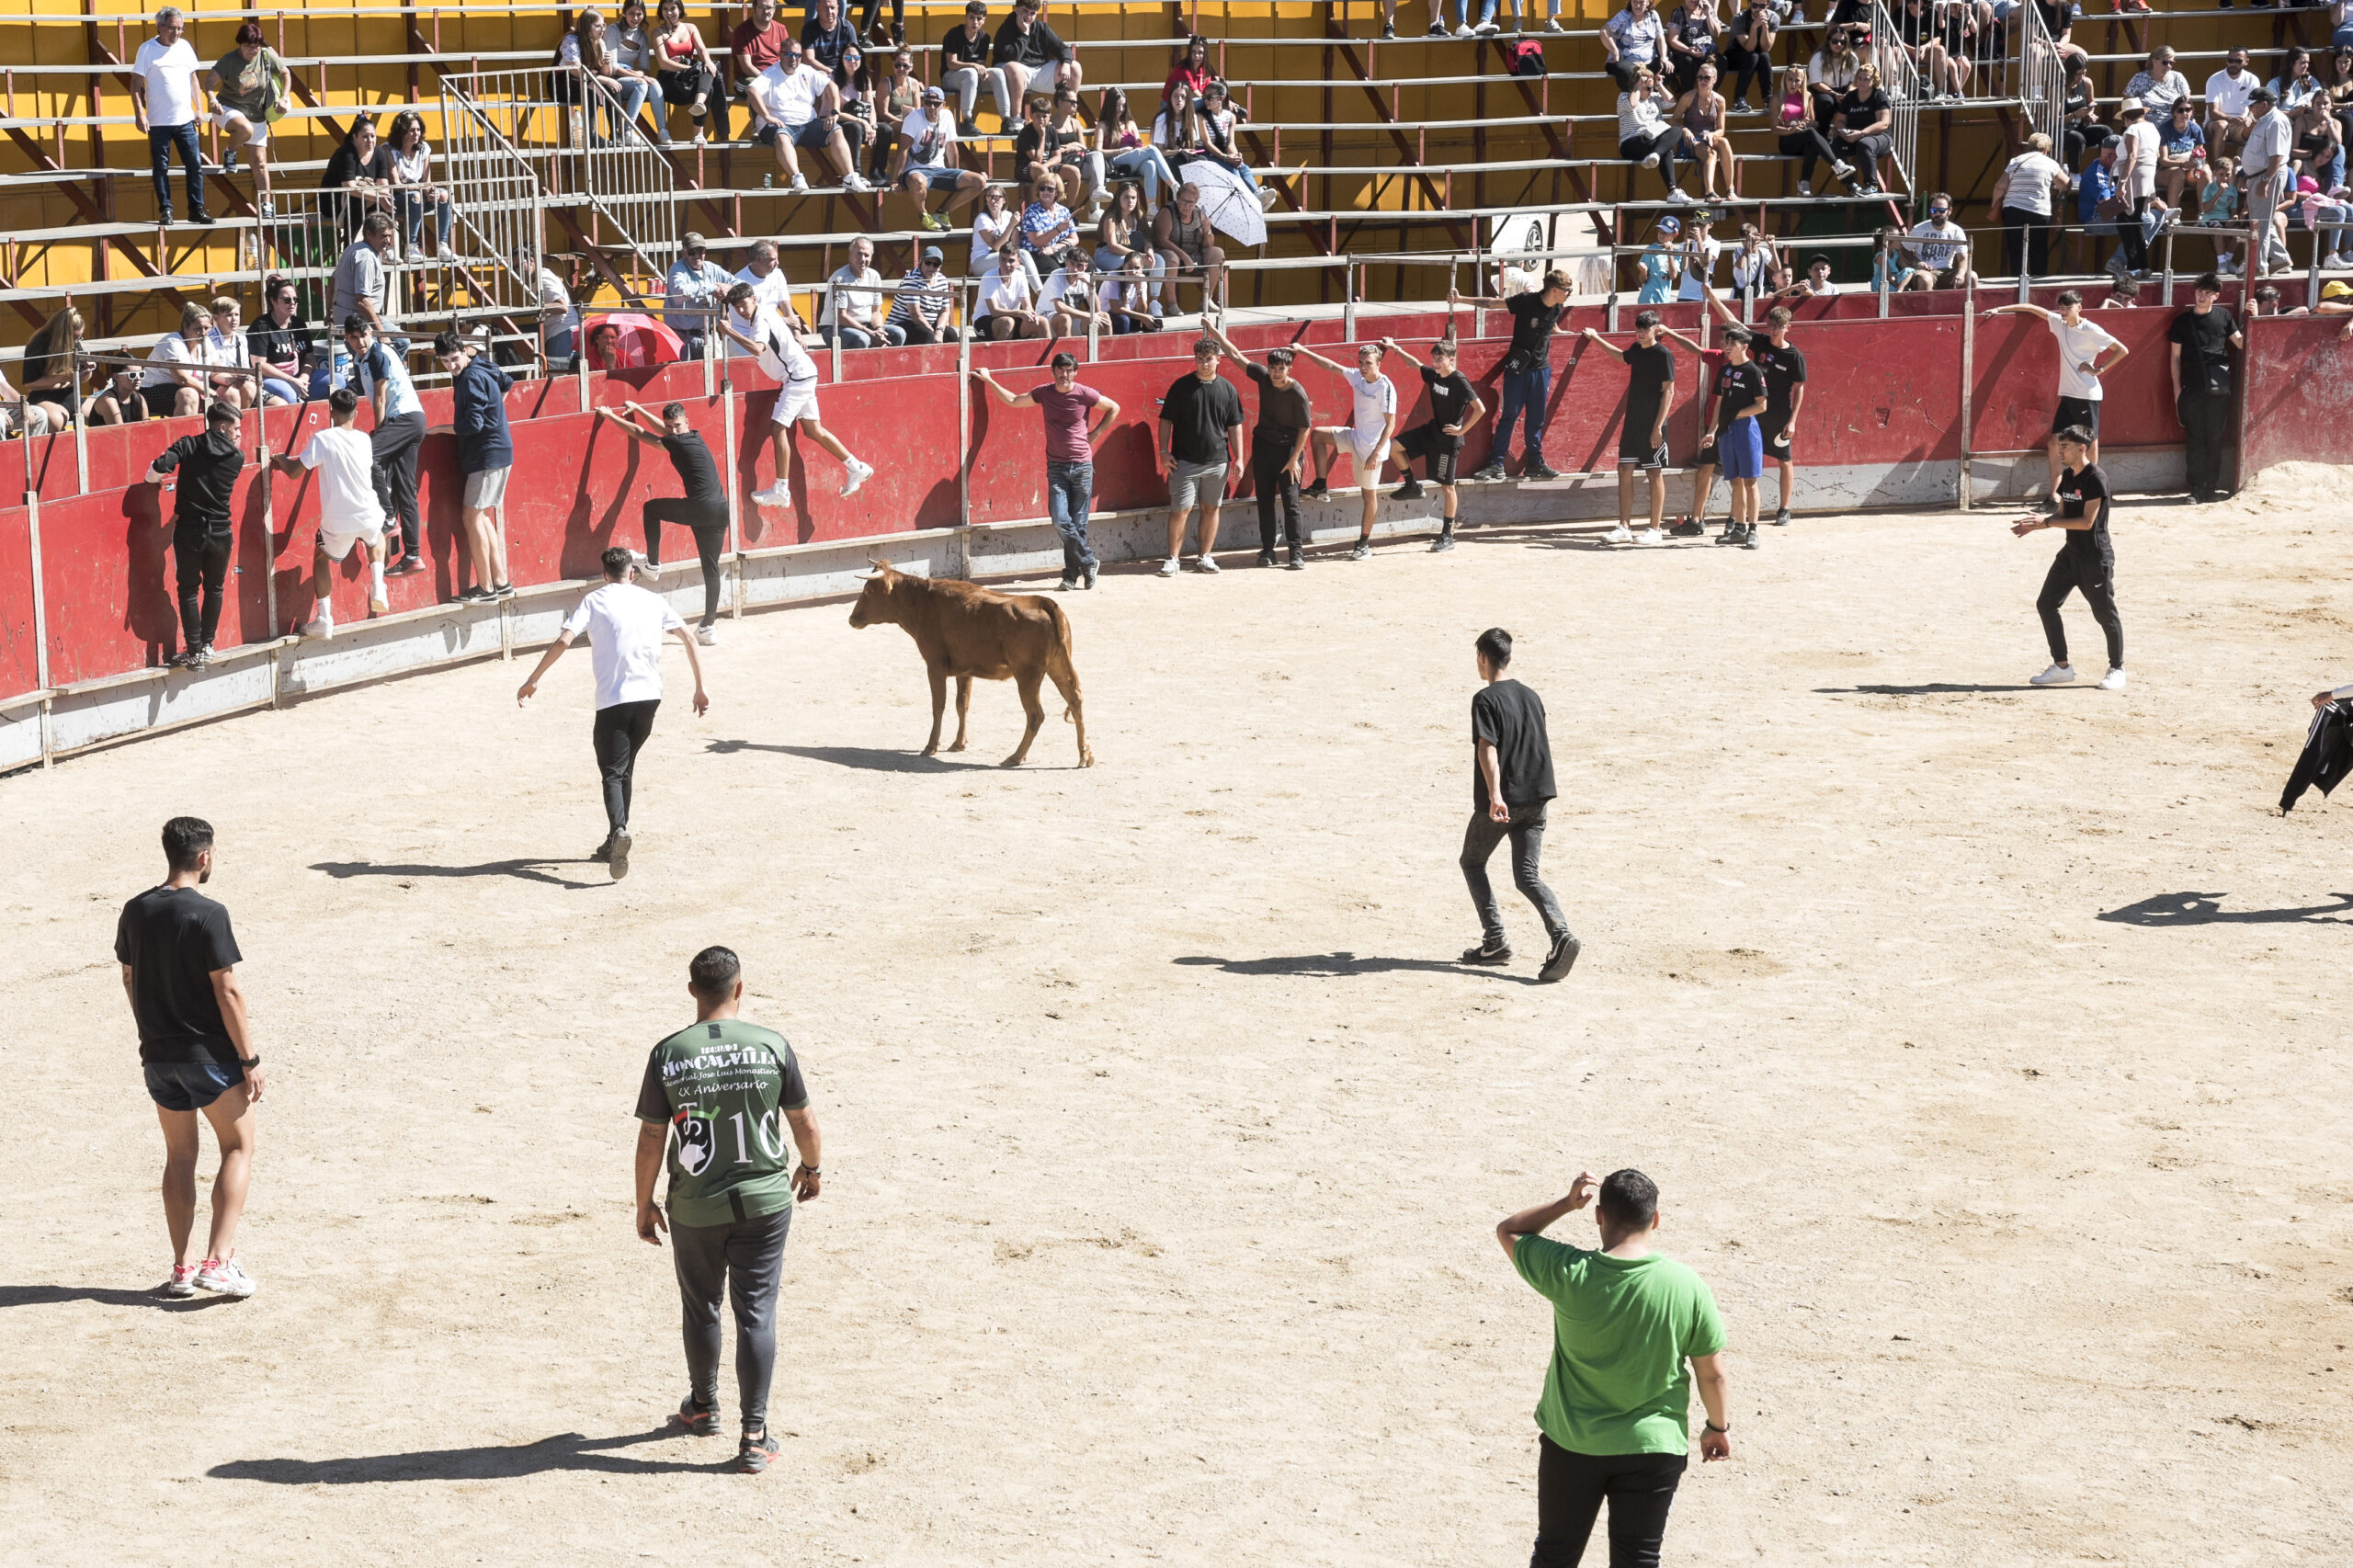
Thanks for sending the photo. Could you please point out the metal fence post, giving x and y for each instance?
(833, 307)
(965, 293)
(40, 626)
(1349, 308)
(1968, 375)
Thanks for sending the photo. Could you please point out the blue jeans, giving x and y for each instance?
(1525, 396)
(1146, 163)
(631, 97)
(278, 386)
(410, 205)
(161, 140)
(1070, 490)
(1487, 15)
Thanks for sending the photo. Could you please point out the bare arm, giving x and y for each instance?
(2109, 361)
(1455, 297)
(1010, 400)
(2020, 309)
(806, 1184)
(1106, 410)
(1491, 769)
(2176, 369)
(232, 1018)
(1534, 1221)
(1708, 1372)
(1331, 365)
(1688, 343)
(1399, 349)
(1224, 343)
(652, 1142)
(547, 660)
(694, 662)
(1471, 415)
(627, 423)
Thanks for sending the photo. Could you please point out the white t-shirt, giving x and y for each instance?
(1055, 289)
(171, 81)
(553, 294)
(345, 465)
(1376, 399)
(773, 293)
(988, 234)
(1937, 258)
(2226, 95)
(229, 350)
(928, 138)
(1701, 269)
(1124, 292)
(856, 298)
(2082, 344)
(781, 354)
(624, 625)
(1640, 116)
(2142, 137)
(1827, 70)
(1006, 290)
(790, 97)
(170, 351)
(2030, 176)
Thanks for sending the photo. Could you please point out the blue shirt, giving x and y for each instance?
(2099, 185)
(478, 404)
(381, 364)
(706, 285)
(2178, 138)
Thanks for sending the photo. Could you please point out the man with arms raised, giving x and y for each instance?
(350, 515)
(1615, 1418)
(1641, 438)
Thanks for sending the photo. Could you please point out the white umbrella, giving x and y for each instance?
(1231, 206)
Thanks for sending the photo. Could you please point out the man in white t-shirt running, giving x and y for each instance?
(764, 332)
(624, 625)
(349, 512)
(1371, 422)
(2087, 352)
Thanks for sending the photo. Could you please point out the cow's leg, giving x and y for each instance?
(1065, 679)
(939, 705)
(963, 705)
(1033, 714)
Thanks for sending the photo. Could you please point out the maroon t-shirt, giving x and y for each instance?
(1065, 414)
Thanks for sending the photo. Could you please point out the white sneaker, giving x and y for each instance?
(1650, 535)
(1169, 567)
(1843, 169)
(1679, 194)
(801, 184)
(2112, 681)
(1462, 31)
(778, 495)
(319, 627)
(855, 181)
(644, 571)
(416, 256)
(181, 1285)
(1651, 162)
(1206, 563)
(858, 474)
(223, 1273)
(699, 139)
(2057, 674)
(707, 635)
(1805, 188)
(1487, 30)
(1553, 25)
(1622, 534)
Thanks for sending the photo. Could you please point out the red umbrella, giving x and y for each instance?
(638, 340)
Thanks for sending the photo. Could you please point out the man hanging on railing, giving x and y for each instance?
(382, 376)
(202, 534)
(350, 515)
(778, 343)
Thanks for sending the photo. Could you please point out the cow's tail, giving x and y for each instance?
(1064, 647)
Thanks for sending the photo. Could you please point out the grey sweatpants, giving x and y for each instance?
(744, 1260)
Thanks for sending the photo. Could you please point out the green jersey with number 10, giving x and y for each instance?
(722, 1088)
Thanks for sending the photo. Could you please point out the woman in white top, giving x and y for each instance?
(585, 50)
(2024, 194)
(173, 385)
(412, 187)
(1644, 136)
(630, 52)
(996, 227)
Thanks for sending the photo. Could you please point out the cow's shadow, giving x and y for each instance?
(871, 759)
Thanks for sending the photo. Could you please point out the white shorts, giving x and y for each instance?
(795, 400)
(1369, 450)
(221, 122)
(485, 487)
(336, 546)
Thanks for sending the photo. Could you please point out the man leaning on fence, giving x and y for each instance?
(202, 538)
(697, 284)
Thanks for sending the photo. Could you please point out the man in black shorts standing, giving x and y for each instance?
(2203, 337)
(179, 960)
(1526, 371)
(1641, 438)
(202, 539)
(1511, 788)
(2087, 352)
(1454, 408)
(2085, 562)
(1278, 446)
(703, 508)
(730, 1091)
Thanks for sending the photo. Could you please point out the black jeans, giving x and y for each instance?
(161, 140)
(682, 87)
(1808, 142)
(2131, 238)
(1742, 67)
(2026, 238)
(873, 8)
(1526, 831)
(1277, 487)
(201, 557)
(395, 445)
(1569, 1492)
(922, 336)
(743, 1261)
(1635, 149)
(2096, 582)
(709, 525)
(619, 734)
(2205, 423)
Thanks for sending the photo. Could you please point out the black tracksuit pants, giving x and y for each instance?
(2205, 423)
(395, 445)
(1276, 485)
(709, 525)
(619, 734)
(200, 557)
(2095, 578)
(1571, 1488)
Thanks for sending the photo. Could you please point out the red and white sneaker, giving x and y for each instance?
(224, 1275)
(181, 1284)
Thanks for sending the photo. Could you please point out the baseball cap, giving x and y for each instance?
(935, 95)
(2263, 95)
(931, 252)
(2337, 290)
(692, 241)
(1670, 225)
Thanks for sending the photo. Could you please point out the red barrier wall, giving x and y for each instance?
(2017, 383)
(2299, 399)
(19, 660)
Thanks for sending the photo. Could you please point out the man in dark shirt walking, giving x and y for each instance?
(201, 537)
(1201, 444)
(1527, 372)
(179, 960)
(729, 1090)
(2203, 337)
(703, 509)
(1511, 786)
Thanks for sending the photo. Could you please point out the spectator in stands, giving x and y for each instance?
(895, 99)
(854, 87)
(1702, 112)
(1126, 154)
(559, 317)
(1749, 55)
(1659, 263)
(2228, 106)
(995, 227)
(2295, 82)
(2265, 174)
(2136, 179)
(1120, 234)
(1006, 300)
(412, 188)
(2181, 157)
(827, 35)
(363, 282)
(1220, 146)
(280, 344)
(2080, 127)
(247, 83)
(799, 110)
(362, 169)
(121, 400)
(1829, 73)
(697, 286)
(853, 310)
(1049, 232)
(2025, 194)
(1068, 300)
(163, 103)
(1632, 42)
(1644, 133)
(2157, 83)
(1862, 137)
(1694, 35)
(689, 77)
(965, 64)
(926, 160)
(1755, 261)
(1928, 33)
(1936, 250)
(2340, 85)
(1527, 372)
(2222, 209)
(175, 384)
(52, 367)
(1194, 70)
(382, 376)
(925, 310)
(1188, 254)
(202, 537)
(478, 391)
(1026, 47)
(224, 347)
(2320, 143)
(2123, 294)
(628, 56)
(1128, 294)
(767, 278)
(1800, 138)
(1054, 145)
(20, 415)
(756, 43)
(2058, 21)
(1177, 131)
(1814, 285)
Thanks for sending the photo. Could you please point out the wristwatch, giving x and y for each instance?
(1723, 1431)
(250, 1061)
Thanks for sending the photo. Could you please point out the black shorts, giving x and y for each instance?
(1633, 453)
(2083, 411)
(1706, 455)
(1424, 441)
(159, 400)
(1774, 426)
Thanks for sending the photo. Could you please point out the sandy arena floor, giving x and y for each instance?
(1986, 1042)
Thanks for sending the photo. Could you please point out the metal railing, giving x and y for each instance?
(1901, 80)
(2043, 75)
(485, 255)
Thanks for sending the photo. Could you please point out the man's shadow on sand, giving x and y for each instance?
(2206, 909)
(569, 1450)
(1344, 966)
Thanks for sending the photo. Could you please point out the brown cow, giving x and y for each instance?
(968, 632)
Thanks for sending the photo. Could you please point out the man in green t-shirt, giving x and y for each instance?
(728, 1090)
(1615, 1419)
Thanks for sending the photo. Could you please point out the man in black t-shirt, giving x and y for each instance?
(1454, 408)
(1199, 447)
(1642, 434)
(201, 536)
(1278, 446)
(2085, 562)
(703, 509)
(1511, 787)
(178, 959)
(2203, 337)
(1526, 371)
(965, 56)
(1784, 369)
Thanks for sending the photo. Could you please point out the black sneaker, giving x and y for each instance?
(1363, 551)
(1688, 528)
(200, 216)
(1298, 562)
(618, 861)
(1090, 574)
(1319, 491)
(1537, 471)
(200, 657)
(164, 219)
(753, 1455)
(476, 597)
(1748, 536)
(502, 590)
(1782, 518)
(1731, 534)
(603, 853)
(1499, 953)
(696, 1420)
(1388, 30)
(1486, 475)
(1443, 541)
(1409, 491)
(180, 660)
(1560, 960)
(408, 566)
(1266, 558)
